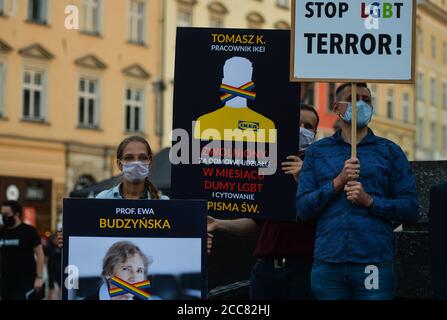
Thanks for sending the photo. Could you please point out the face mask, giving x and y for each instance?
(307, 137)
(135, 171)
(364, 114)
(9, 221)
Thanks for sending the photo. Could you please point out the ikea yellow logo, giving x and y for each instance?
(247, 125)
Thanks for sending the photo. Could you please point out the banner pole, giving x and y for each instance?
(354, 121)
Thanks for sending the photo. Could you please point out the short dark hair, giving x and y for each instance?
(308, 107)
(14, 205)
(346, 85)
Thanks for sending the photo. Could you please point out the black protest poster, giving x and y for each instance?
(134, 250)
(236, 119)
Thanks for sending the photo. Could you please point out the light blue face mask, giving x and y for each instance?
(364, 114)
(135, 171)
(307, 137)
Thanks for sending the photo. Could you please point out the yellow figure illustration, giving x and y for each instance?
(235, 121)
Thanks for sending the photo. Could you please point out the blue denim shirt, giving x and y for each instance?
(347, 232)
(114, 193)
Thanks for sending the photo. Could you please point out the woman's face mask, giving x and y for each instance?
(136, 171)
(307, 137)
(364, 114)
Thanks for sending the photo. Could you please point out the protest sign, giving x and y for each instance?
(352, 41)
(134, 249)
(236, 118)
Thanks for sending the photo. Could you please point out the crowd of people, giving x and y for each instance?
(347, 208)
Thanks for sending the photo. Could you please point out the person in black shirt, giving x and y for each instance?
(54, 265)
(19, 244)
(283, 250)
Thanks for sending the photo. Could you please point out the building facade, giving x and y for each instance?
(431, 80)
(68, 96)
(415, 116)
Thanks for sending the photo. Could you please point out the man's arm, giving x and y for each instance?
(402, 205)
(40, 260)
(292, 166)
(238, 227)
(311, 201)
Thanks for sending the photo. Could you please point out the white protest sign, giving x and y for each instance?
(349, 41)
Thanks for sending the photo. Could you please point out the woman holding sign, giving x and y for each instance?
(134, 159)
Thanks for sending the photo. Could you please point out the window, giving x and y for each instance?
(406, 107)
(374, 98)
(444, 134)
(283, 3)
(420, 39)
(421, 132)
(331, 96)
(308, 93)
(37, 11)
(91, 16)
(216, 22)
(444, 95)
(185, 11)
(2, 90)
(282, 25)
(134, 109)
(433, 47)
(184, 17)
(217, 14)
(433, 91)
(137, 21)
(88, 103)
(390, 104)
(433, 135)
(33, 95)
(2, 7)
(255, 20)
(420, 86)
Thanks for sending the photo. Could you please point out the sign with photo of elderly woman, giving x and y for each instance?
(134, 250)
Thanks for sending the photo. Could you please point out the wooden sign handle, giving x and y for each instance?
(354, 121)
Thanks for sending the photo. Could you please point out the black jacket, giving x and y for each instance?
(438, 239)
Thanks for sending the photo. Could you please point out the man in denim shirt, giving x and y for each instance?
(355, 201)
